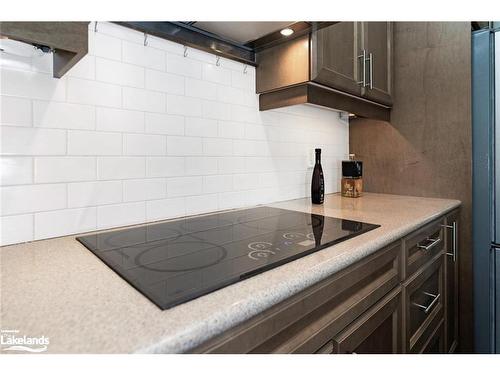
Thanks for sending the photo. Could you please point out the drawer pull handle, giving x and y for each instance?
(433, 242)
(454, 228)
(435, 298)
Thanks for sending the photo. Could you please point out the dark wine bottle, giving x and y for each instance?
(318, 181)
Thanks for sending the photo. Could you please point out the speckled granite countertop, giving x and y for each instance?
(59, 289)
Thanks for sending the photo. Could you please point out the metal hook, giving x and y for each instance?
(217, 61)
(145, 39)
(95, 26)
(245, 69)
(185, 51)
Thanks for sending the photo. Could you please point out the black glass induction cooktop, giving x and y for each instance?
(176, 261)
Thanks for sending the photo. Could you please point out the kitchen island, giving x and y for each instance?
(58, 289)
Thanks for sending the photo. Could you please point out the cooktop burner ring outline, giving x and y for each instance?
(211, 263)
(225, 223)
(110, 236)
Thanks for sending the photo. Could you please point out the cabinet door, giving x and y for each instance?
(334, 57)
(451, 281)
(377, 42)
(378, 331)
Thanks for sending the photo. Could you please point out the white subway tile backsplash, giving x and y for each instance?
(256, 132)
(169, 166)
(31, 141)
(231, 165)
(217, 183)
(184, 186)
(32, 85)
(216, 110)
(201, 89)
(105, 46)
(145, 189)
(15, 111)
(64, 222)
(95, 93)
(145, 56)
(228, 94)
(181, 105)
(232, 199)
(158, 123)
(144, 144)
(84, 194)
(63, 115)
(42, 63)
(120, 168)
(50, 169)
(81, 142)
(85, 68)
(32, 198)
(165, 45)
(121, 214)
(196, 165)
(143, 100)
(119, 120)
(16, 170)
(245, 114)
(119, 32)
(217, 74)
(119, 73)
(201, 127)
(184, 146)
(15, 229)
(165, 208)
(202, 204)
(217, 147)
(164, 82)
(245, 181)
(243, 81)
(231, 129)
(135, 133)
(183, 66)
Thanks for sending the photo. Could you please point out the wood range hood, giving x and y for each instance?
(67, 40)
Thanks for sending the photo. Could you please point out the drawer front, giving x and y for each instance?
(375, 332)
(424, 296)
(423, 245)
(435, 344)
(307, 322)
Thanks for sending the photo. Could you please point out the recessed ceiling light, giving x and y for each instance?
(286, 32)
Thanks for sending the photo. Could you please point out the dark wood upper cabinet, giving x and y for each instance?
(351, 62)
(334, 60)
(377, 44)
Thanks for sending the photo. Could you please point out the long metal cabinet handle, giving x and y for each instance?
(371, 70)
(363, 56)
(454, 228)
(435, 298)
(434, 242)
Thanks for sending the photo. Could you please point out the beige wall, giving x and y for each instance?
(426, 148)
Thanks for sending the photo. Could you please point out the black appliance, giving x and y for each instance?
(175, 261)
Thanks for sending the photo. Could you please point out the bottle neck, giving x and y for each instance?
(318, 158)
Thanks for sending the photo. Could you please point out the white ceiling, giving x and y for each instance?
(241, 32)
